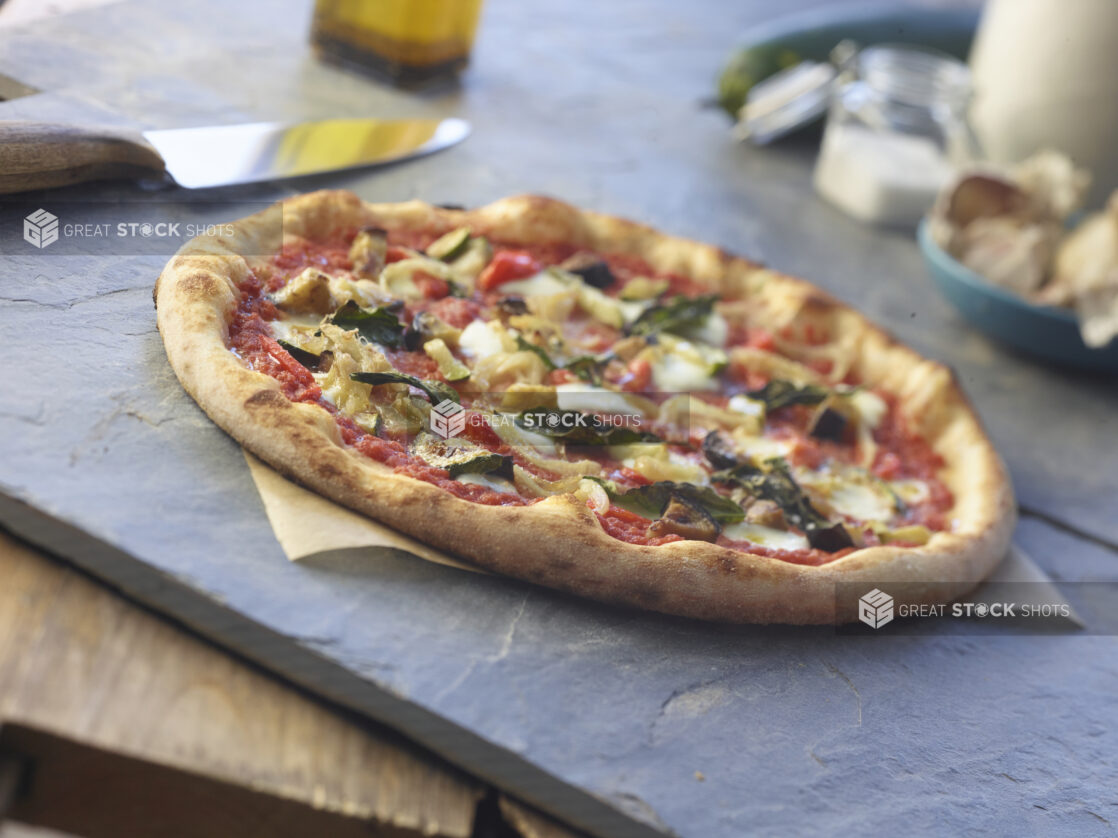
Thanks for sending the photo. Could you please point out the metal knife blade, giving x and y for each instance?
(228, 154)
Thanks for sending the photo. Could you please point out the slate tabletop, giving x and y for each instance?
(620, 722)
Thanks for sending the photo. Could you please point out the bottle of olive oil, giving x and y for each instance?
(405, 41)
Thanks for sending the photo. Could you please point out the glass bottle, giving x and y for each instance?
(405, 41)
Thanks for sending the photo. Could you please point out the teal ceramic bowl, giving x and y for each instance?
(1040, 331)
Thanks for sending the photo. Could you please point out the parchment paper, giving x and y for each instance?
(307, 524)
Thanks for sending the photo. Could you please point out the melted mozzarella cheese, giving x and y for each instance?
(746, 405)
(714, 330)
(871, 408)
(765, 536)
(677, 374)
(852, 492)
(862, 502)
(590, 399)
(759, 448)
(482, 340)
(543, 283)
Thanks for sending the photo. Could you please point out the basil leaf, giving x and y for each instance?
(651, 501)
(589, 367)
(780, 393)
(675, 315)
(435, 391)
(376, 325)
(577, 428)
(537, 350)
(499, 464)
(307, 359)
(778, 485)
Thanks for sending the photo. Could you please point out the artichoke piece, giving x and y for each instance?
(369, 251)
(451, 368)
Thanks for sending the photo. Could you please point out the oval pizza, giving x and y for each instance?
(588, 404)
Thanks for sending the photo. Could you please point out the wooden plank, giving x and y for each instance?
(530, 823)
(79, 662)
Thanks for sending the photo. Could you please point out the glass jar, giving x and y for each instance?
(404, 41)
(896, 132)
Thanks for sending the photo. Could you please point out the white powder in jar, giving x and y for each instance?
(879, 177)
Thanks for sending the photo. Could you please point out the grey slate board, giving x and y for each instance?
(793, 730)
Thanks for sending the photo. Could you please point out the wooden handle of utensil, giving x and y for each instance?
(42, 155)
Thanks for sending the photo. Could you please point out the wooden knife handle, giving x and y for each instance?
(42, 155)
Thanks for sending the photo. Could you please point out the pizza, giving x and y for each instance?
(588, 404)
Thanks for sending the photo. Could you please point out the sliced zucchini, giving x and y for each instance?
(448, 247)
(451, 368)
(473, 259)
(644, 288)
(459, 456)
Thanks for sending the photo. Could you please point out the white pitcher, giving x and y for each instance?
(1046, 76)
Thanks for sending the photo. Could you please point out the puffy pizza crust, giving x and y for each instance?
(567, 548)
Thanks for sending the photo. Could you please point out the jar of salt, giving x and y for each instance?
(895, 133)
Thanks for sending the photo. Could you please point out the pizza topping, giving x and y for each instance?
(679, 365)
(369, 252)
(683, 518)
(828, 423)
(641, 288)
(677, 314)
(507, 266)
(378, 325)
(483, 340)
(451, 368)
(577, 428)
(671, 417)
(460, 456)
(775, 483)
(435, 391)
(592, 269)
(308, 359)
(654, 501)
(308, 292)
(718, 448)
(450, 246)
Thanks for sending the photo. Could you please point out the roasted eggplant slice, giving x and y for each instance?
(719, 451)
(828, 423)
(591, 269)
(686, 519)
